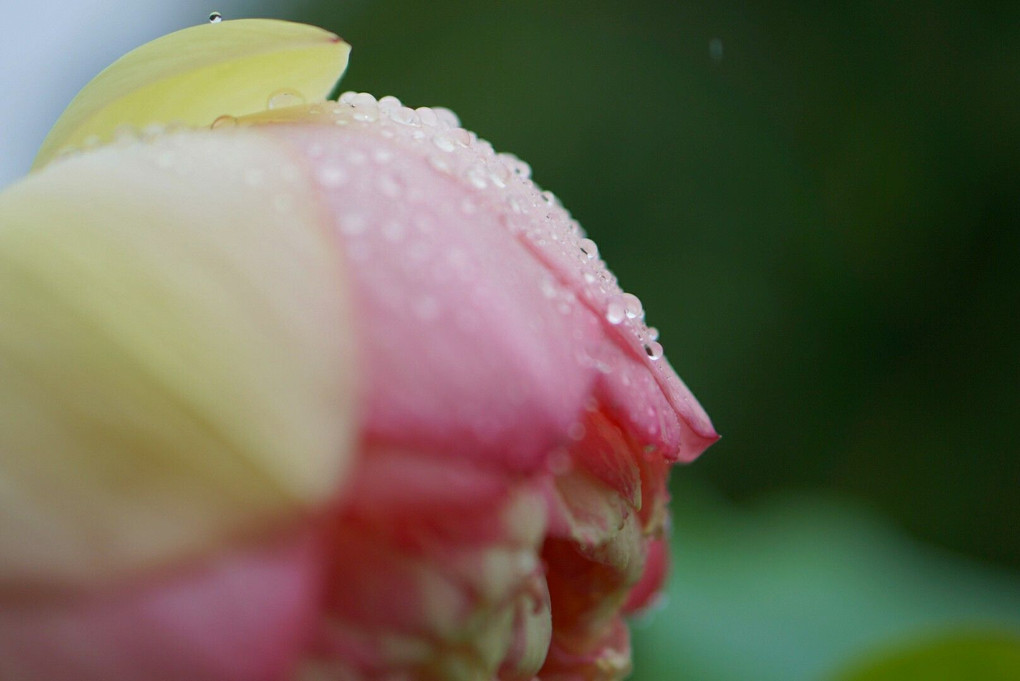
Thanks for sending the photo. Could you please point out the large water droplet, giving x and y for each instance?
(653, 350)
(589, 248)
(447, 117)
(215, 17)
(632, 306)
(427, 115)
(389, 104)
(281, 99)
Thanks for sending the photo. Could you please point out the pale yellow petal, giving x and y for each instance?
(197, 74)
(175, 355)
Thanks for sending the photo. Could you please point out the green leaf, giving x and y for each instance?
(799, 586)
(198, 74)
(991, 656)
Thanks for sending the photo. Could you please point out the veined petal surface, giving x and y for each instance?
(176, 362)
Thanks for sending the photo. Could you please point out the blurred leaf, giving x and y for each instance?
(801, 586)
(959, 657)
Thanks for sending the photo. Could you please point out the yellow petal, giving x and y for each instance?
(175, 355)
(195, 75)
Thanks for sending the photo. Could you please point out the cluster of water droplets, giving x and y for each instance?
(534, 216)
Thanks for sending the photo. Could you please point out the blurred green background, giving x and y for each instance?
(819, 204)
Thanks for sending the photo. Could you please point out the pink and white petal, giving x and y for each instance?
(242, 615)
(176, 357)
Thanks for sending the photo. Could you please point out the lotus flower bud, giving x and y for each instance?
(329, 390)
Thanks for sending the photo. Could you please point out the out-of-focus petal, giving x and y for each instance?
(176, 360)
(235, 616)
(198, 74)
(442, 587)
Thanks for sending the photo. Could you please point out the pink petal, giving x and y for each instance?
(242, 616)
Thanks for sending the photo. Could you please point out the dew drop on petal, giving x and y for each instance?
(388, 186)
(215, 17)
(632, 306)
(447, 117)
(590, 248)
(616, 311)
(366, 99)
(427, 115)
(389, 104)
(281, 99)
(331, 176)
(443, 142)
(653, 350)
(405, 115)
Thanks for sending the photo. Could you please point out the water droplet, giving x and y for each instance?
(405, 115)
(366, 114)
(427, 116)
(653, 333)
(281, 99)
(443, 142)
(366, 99)
(653, 350)
(388, 186)
(632, 305)
(389, 104)
(331, 176)
(215, 17)
(616, 311)
(589, 248)
(446, 117)
(476, 176)
(439, 163)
